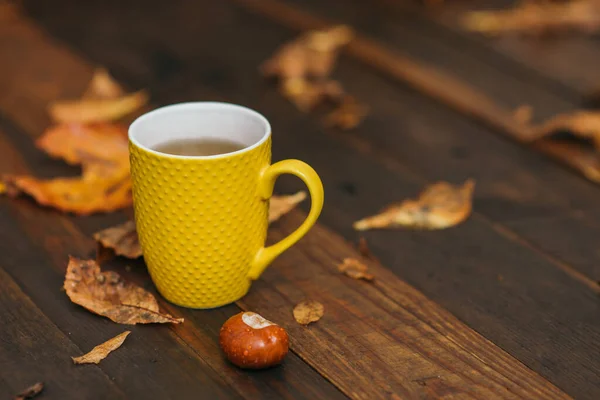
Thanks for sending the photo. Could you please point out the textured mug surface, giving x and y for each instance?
(202, 221)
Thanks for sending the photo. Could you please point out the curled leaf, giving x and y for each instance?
(107, 294)
(30, 392)
(355, 269)
(280, 205)
(348, 114)
(103, 86)
(100, 352)
(97, 109)
(439, 206)
(311, 55)
(308, 311)
(121, 239)
(537, 18)
(584, 124)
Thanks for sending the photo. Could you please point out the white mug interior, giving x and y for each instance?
(200, 120)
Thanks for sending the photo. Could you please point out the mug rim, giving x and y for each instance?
(200, 105)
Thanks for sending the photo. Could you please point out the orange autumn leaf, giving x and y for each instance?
(439, 206)
(103, 86)
(101, 351)
(308, 311)
(355, 269)
(97, 109)
(280, 205)
(77, 144)
(107, 294)
(536, 18)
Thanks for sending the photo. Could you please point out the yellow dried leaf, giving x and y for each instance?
(121, 239)
(355, 269)
(103, 86)
(97, 110)
(100, 352)
(107, 294)
(30, 392)
(439, 206)
(537, 18)
(308, 311)
(280, 205)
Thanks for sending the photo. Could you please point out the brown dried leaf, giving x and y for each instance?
(97, 110)
(31, 391)
(103, 86)
(531, 17)
(355, 269)
(348, 114)
(306, 95)
(107, 294)
(280, 205)
(584, 124)
(439, 206)
(121, 239)
(100, 352)
(311, 55)
(308, 311)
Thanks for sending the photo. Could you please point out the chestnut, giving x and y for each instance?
(251, 341)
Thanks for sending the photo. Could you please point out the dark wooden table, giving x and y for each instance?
(503, 306)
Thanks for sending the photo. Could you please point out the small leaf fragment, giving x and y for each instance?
(97, 109)
(100, 352)
(355, 269)
(280, 205)
(103, 86)
(107, 294)
(121, 239)
(347, 115)
(308, 311)
(532, 17)
(30, 392)
(439, 206)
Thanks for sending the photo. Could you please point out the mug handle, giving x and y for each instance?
(265, 189)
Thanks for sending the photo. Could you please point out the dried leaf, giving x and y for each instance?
(348, 114)
(87, 144)
(584, 124)
(355, 269)
(97, 110)
(105, 185)
(306, 95)
(30, 392)
(103, 86)
(531, 17)
(121, 239)
(100, 352)
(280, 205)
(308, 311)
(107, 294)
(439, 206)
(311, 55)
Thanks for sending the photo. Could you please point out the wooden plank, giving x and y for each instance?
(384, 336)
(60, 236)
(33, 350)
(459, 269)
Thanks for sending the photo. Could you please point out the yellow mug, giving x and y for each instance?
(202, 220)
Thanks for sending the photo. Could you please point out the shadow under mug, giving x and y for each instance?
(202, 220)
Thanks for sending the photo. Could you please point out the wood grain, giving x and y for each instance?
(488, 280)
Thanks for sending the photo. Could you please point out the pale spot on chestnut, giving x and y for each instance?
(251, 341)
